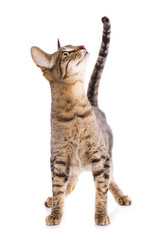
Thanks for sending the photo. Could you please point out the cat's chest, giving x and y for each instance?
(73, 128)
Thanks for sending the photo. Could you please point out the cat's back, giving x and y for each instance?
(106, 130)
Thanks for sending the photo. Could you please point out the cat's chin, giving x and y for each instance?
(86, 55)
(83, 63)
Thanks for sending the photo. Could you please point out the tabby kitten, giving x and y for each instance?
(80, 136)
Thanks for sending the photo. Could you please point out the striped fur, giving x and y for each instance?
(80, 136)
(93, 86)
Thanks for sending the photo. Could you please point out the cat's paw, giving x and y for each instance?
(53, 220)
(102, 219)
(124, 200)
(48, 202)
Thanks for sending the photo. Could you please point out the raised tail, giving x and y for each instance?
(93, 86)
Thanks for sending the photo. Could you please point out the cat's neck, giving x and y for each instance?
(61, 92)
(68, 98)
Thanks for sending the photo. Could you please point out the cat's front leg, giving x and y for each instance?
(60, 173)
(100, 169)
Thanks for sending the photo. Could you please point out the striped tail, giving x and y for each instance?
(93, 86)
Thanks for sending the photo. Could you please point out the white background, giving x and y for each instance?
(132, 94)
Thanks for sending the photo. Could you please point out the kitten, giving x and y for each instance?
(80, 136)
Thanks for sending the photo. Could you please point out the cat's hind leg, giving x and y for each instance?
(120, 198)
(48, 202)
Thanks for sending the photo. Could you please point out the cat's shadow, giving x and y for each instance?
(114, 213)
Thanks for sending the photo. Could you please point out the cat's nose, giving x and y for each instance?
(82, 47)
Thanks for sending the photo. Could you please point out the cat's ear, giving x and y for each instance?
(42, 59)
(58, 44)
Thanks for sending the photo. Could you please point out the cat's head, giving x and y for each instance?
(66, 64)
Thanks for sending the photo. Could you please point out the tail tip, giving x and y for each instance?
(105, 20)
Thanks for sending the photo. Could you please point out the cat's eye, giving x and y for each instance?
(65, 54)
